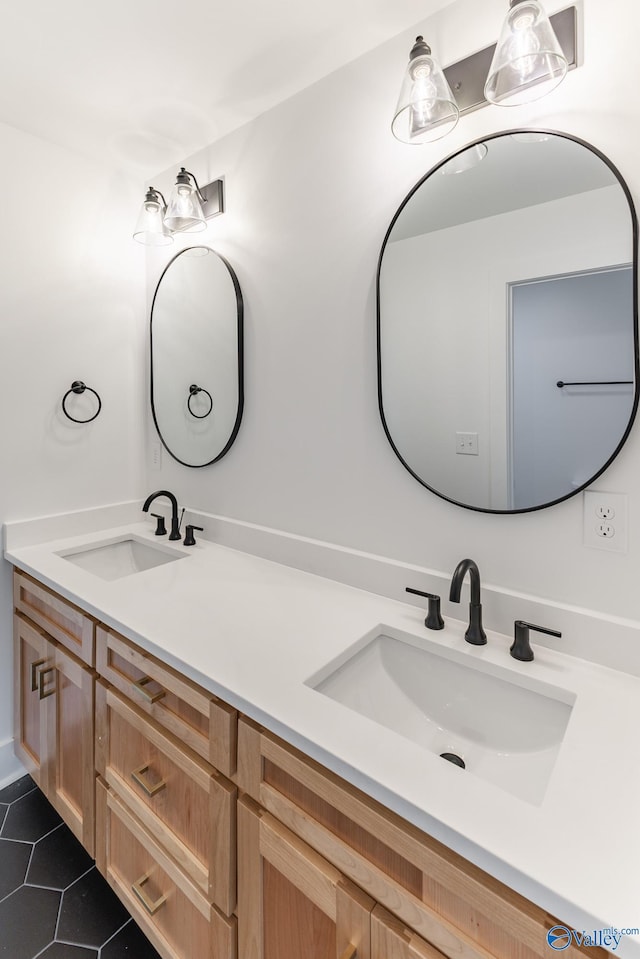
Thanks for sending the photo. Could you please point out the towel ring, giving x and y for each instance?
(193, 391)
(79, 387)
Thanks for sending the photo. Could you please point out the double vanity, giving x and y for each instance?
(257, 757)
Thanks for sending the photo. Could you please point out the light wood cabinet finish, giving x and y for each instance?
(182, 801)
(54, 725)
(30, 737)
(68, 624)
(390, 939)
(171, 910)
(453, 905)
(291, 902)
(198, 719)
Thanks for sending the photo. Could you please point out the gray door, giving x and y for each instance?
(572, 328)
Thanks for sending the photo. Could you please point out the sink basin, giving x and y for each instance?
(506, 728)
(121, 557)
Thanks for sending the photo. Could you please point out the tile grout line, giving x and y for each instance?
(116, 933)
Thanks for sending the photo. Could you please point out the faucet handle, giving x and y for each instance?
(434, 618)
(521, 646)
(161, 529)
(189, 538)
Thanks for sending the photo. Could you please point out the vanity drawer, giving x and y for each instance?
(187, 805)
(200, 720)
(65, 622)
(452, 904)
(171, 911)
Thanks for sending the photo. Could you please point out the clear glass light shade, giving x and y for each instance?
(528, 61)
(150, 228)
(184, 211)
(426, 109)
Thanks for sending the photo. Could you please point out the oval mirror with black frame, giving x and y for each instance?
(197, 356)
(507, 322)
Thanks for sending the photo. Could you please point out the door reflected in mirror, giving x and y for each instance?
(197, 356)
(514, 273)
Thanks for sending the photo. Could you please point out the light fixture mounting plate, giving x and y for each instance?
(213, 194)
(467, 77)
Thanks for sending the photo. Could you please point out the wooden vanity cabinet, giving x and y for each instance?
(292, 902)
(187, 805)
(440, 904)
(53, 713)
(315, 867)
(180, 921)
(200, 720)
(391, 939)
(166, 809)
(69, 625)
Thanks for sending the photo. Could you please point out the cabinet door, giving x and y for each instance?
(291, 902)
(390, 939)
(30, 661)
(68, 694)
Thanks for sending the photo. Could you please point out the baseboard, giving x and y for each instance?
(10, 767)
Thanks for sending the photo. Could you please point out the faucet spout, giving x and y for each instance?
(175, 524)
(475, 634)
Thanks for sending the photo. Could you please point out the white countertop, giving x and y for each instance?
(252, 631)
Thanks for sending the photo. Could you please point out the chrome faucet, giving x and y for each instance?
(175, 524)
(475, 634)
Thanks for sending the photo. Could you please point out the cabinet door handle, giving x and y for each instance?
(138, 776)
(150, 697)
(42, 678)
(148, 903)
(34, 669)
(350, 952)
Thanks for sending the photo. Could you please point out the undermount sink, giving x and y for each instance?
(505, 728)
(115, 559)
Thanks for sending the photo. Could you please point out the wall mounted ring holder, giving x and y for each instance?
(193, 391)
(78, 387)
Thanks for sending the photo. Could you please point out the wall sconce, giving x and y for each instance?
(427, 109)
(188, 210)
(532, 56)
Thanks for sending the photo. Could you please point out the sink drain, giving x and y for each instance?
(453, 758)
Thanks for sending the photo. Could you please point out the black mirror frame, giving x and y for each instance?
(240, 335)
(636, 360)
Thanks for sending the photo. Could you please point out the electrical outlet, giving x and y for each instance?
(606, 530)
(605, 520)
(156, 455)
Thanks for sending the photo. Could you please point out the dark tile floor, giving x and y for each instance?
(53, 902)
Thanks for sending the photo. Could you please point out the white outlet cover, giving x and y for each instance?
(599, 504)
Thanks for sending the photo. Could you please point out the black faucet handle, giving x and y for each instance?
(521, 646)
(434, 618)
(161, 529)
(189, 538)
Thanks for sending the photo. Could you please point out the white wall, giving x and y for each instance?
(311, 189)
(72, 302)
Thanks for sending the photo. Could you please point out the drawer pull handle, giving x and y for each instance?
(350, 952)
(42, 678)
(151, 906)
(35, 666)
(150, 697)
(138, 776)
